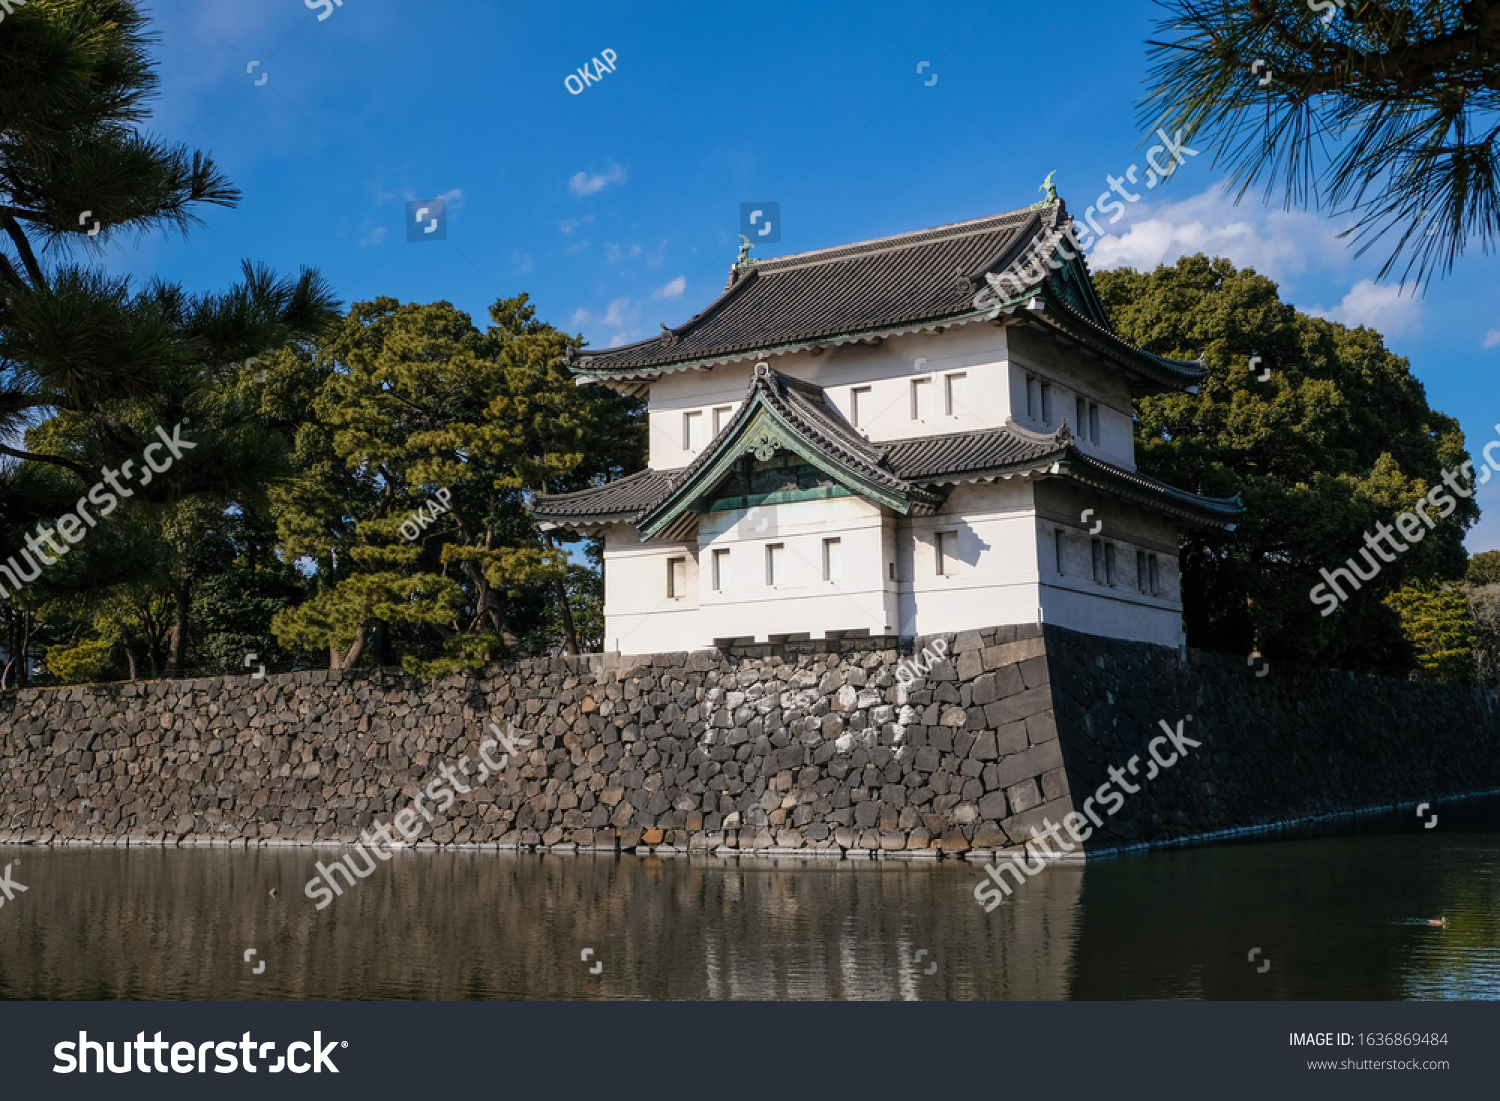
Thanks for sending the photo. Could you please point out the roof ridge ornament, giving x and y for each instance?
(1064, 433)
(1050, 188)
(668, 337)
(744, 256)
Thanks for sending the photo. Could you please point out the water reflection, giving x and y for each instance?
(1338, 917)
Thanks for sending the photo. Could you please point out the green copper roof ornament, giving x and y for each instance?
(744, 256)
(1050, 188)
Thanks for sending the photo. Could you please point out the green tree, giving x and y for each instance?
(413, 405)
(1389, 111)
(1439, 626)
(1336, 441)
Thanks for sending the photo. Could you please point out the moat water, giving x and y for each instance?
(1338, 915)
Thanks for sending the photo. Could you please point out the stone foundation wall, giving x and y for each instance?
(812, 747)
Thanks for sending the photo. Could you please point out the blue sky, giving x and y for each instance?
(617, 208)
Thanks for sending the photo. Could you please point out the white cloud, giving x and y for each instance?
(617, 315)
(1491, 338)
(624, 338)
(613, 252)
(568, 225)
(520, 263)
(584, 184)
(672, 289)
(1276, 243)
(1385, 309)
(376, 236)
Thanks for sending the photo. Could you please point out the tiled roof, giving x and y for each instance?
(850, 289)
(906, 471)
(618, 500)
(968, 452)
(908, 282)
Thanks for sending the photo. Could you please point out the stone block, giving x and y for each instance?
(992, 806)
(1054, 784)
(1041, 727)
(1010, 653)
(1023, 796)
(1034, 671)
(1029, 764)
(1018, 827)
(984, 748)
(1012, 738)
(1017, 707)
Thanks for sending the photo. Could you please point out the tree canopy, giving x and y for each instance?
(1338, 439)
(1387, 110)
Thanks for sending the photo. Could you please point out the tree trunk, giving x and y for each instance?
(570, 632)
(348, 660)
(177, 658)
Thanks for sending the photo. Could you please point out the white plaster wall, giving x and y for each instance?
(977, 351)
(994, 579)
(995, 362)
(1031, 353)
(639, 617)
(1073, 598)
(799, 602)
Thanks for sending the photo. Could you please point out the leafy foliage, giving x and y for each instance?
(1439, 626)
(1338, 439)
(1390, 110)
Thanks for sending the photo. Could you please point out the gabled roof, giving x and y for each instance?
(907, 283)
(783, 413)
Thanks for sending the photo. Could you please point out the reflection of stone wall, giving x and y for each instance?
(810, 746)
(103, 923)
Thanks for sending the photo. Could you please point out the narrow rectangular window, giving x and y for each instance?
(1155, 579)
(1081, 424)
(833, 559)
(1062, 552)
(775, 564)
(692, 431)
(1109, 564)
(946, 543)
(721, 570)
(676, 578)
(859, 406)
(1031, 396)
(1141, 581)
(1046, 403)
(722, 414)
(1093, 422)
(921, 399)
(1098, 549)
(956, 394)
